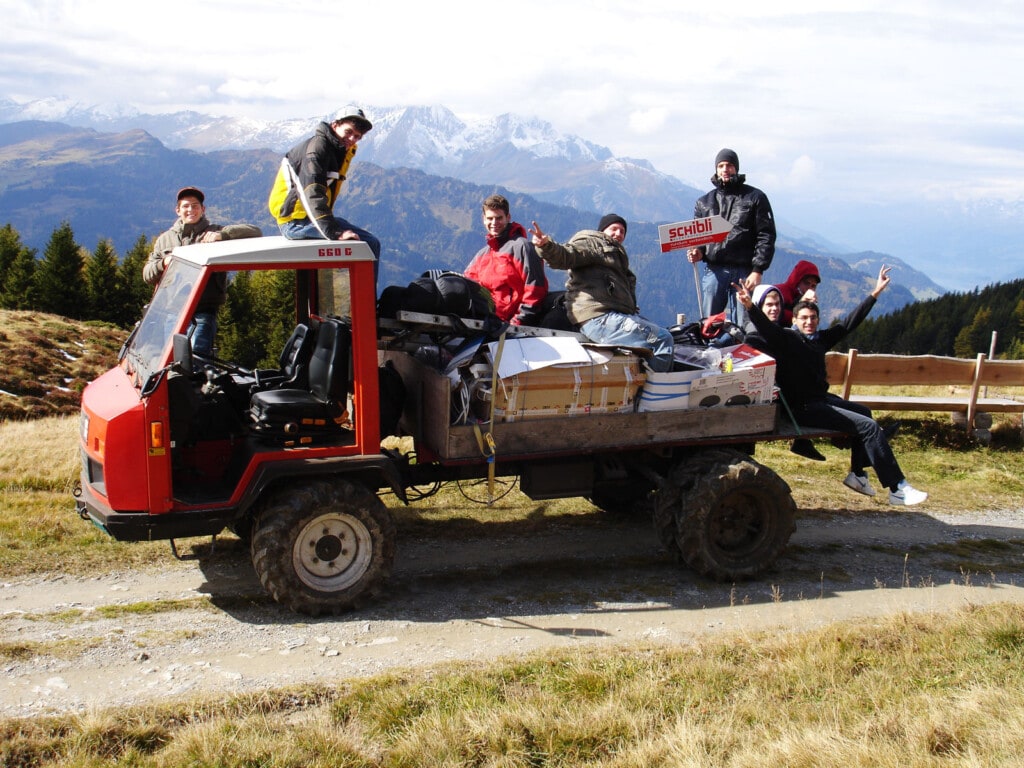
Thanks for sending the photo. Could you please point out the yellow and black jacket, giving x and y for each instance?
(317, 167)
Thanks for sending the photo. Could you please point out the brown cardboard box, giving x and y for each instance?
(575, 390)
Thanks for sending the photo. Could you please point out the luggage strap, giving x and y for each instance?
(485, 440)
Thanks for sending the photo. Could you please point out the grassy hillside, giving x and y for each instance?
(48, 360)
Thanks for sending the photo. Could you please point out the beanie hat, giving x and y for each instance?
(608, 219)
(727, 156)
(761, 293)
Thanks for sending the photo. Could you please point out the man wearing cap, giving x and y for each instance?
(191, 227)
(747, 251)
(600, 292)
(310, 178)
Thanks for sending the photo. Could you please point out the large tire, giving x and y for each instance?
(728, 516)
(323, 547)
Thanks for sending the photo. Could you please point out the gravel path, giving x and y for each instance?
(563, 586)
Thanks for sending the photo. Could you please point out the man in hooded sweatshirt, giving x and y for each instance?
(748, 249)
(509, 267)
(802, 284)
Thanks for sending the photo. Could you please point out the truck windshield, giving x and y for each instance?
(145, 352)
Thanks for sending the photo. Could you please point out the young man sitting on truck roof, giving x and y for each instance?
(309, 181)
(799, 353)
(600, 292)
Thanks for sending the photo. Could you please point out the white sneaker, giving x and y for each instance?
(859, 483)
(906, 495)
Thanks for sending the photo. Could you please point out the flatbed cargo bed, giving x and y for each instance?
(428, 405)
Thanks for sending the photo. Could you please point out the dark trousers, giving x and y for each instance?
(870, 447)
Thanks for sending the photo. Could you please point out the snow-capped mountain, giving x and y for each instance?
(523, 155)
(529, 156)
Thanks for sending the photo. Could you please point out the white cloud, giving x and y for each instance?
(855, 99)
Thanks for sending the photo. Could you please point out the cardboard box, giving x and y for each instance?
(752, 380)
(570, 390)
(668, 391)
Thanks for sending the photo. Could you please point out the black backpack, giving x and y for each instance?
(439, 292)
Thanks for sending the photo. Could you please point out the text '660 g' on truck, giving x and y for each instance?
(174, 445)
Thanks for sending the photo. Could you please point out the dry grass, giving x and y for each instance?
(48, 360)
(910, 691)
(39, 466)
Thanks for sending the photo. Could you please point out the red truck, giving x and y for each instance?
(174, 445)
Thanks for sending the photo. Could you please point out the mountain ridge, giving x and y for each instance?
(119, 186)
(961, 245)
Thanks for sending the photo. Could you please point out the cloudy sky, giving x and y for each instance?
(827, 104)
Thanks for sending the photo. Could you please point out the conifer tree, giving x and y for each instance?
(58, 279)
(239, 338)
(274, 306)
(10, 244)
(19, 288)
(974, 338)
(104, 295)
(135, 292)
(17, 265)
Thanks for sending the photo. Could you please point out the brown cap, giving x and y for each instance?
(192, 192)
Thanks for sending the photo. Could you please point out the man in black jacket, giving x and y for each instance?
(800, 372)
(747, 251)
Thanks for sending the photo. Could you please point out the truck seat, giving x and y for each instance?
(293, 363)
(302, 414)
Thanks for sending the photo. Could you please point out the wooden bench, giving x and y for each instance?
(846, 371)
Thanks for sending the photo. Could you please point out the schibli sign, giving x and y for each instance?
(692, 233)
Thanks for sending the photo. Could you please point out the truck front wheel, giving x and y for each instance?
(323, 547)
(728, 516)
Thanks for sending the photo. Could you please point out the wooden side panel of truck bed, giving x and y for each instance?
(428, 411)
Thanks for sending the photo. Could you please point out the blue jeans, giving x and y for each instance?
(719, 295)
(204, 329)
(304, 229)
(632, 331)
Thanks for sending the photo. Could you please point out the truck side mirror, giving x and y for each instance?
(182, 349)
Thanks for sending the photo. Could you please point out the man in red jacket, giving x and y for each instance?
(509, 267)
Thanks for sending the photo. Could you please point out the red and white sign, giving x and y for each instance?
(692, 233)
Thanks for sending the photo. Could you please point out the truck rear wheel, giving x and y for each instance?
(324, 547)
(728, 516)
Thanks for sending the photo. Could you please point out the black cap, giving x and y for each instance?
(608, 219)
(727, 156)
(191, 192)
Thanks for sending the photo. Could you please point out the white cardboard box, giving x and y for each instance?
(668, 391)
(750, 381)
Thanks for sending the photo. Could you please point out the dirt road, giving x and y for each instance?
(598, 584)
